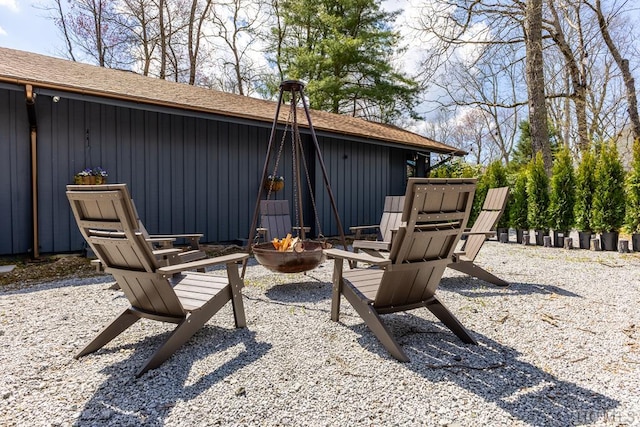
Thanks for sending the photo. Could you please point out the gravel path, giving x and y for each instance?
(559, 347)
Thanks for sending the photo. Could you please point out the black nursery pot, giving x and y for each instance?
(584, 239)
(540, 237)
(609, 241)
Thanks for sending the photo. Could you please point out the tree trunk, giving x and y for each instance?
(539, 131)
(623, 64)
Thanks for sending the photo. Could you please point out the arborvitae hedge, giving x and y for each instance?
(608, 197)
(632, 216)
(495, 177)
(518, 209)
(538, 194)
(562, 192)
(585, 187)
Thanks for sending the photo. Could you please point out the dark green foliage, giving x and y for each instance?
(632, 216)
(523, 153)
(495, 176)
(456, 168)
(562, 192)
(519, 207)
(585, 186)
(608, 197)
(538, 194)
(343, 49)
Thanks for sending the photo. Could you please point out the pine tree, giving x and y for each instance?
(342, 48)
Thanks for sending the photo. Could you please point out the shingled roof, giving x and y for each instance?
(40, 71)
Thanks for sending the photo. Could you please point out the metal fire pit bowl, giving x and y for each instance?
(290, 262)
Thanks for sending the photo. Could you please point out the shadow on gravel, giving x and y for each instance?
(313, 290)
(59, 284)
(473, 287)
(490, 370)
(125, 400)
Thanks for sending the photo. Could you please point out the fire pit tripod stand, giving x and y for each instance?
(307, 254)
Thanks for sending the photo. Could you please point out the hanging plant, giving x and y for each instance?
(274, 183)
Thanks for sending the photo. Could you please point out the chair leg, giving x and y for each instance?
(115, 328)
(374, 322)
(450, 321)
(235, 284)
(336, 290)
(185, 330)
(473, 270)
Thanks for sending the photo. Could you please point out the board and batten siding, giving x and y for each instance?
(186, 172)
(15, 173)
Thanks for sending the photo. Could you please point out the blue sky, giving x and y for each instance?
(25, 27)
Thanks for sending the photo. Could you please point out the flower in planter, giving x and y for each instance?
(100, 175)
(85, 172)
(275, 178)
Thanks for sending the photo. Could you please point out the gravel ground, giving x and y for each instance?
(559, 347)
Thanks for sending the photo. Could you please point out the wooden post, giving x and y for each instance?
(568, 242)
(623, 246)
(595, 244)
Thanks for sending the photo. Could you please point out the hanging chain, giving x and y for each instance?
(313, 200)
(295, 168)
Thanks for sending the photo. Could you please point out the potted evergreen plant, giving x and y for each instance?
(608, 197)
(496, 177)
(519, 205)
(538, 198)
(632, 215)
(585, 186)
(561, 196)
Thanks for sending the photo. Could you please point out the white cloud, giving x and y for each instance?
(11, 4)
(2, 32)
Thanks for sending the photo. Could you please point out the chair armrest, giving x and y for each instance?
(363, 227)
(166, 252)
(477, 233)
(194, 265)
(371, 244)
(359, 257)
(178, 236)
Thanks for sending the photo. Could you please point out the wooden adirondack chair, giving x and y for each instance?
(389, 224)
(108, 222)
(275, 221)
(163, 245)
(435, 212)
(484, 227)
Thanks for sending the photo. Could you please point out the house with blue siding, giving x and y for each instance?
(191, 156)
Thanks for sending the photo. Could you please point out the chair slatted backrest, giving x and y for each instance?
(107, 220)
(436, 212)
(274, 216)
(391, 216)
(492, 209)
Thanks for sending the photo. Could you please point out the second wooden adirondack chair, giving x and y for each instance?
(484, 227)
(389, 224)
(435, 213)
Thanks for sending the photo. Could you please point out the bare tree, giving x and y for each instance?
(623, 64)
